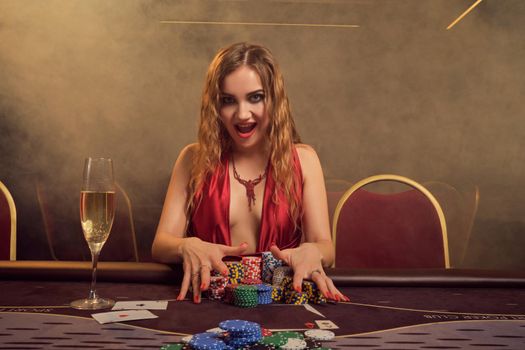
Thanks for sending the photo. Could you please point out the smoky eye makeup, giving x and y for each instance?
(256, 97)
(227, 100)
(252, 97)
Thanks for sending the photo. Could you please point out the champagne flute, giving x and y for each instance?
(97, 210)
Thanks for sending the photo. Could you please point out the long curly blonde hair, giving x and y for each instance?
(213, 138)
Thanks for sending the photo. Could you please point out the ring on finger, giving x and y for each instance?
(315, 271)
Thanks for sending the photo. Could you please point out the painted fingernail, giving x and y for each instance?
(330, 295)
(179, 298)
(347, 298)
(196, 299)
(225, 272)
(202, 286)
(297, 289)
(337, 297)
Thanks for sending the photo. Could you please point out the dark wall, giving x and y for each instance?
(398, 94)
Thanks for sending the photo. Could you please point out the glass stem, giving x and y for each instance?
(92, 289)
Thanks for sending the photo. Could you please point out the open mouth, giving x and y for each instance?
(245, 130)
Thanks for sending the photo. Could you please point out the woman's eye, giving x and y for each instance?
(227, 100)
(256, 98)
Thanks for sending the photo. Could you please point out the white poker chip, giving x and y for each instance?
(216, 330)
(319, 334)
(186, 339)
(294, 344)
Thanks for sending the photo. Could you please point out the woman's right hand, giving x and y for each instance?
(199, 258)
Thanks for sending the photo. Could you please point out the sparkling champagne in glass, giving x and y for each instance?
(97, 210)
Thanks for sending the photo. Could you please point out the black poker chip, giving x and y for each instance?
(312, 344)
(259, 346)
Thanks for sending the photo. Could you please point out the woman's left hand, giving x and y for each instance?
(305, 261)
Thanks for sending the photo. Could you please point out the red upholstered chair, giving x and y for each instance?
(334, 190)
(460, 205)
(393, 229)
(7, 224)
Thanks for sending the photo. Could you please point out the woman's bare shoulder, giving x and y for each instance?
(185, 159)
(190, 150)
(307, 153)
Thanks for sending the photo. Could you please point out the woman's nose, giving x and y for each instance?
(244, 112)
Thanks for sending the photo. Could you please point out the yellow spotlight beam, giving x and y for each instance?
(464, 14)
(269, 24)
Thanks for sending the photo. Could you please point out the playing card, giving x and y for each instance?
(312, 309)
(141, 305)
(122, 316)
(326, 324)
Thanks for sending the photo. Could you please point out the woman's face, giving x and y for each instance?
(243, 110)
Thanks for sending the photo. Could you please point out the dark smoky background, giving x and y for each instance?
(399, 94)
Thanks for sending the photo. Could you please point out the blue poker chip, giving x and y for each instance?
(207, 341)
(264, 294)
(240, 342)
(241, 333)
(240, 326)
(263, 287)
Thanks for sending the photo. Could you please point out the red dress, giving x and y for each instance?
(210, 219)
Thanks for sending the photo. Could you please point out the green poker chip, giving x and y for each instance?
(276, 340)
(172, 347)
(245, 296)
(290, 334)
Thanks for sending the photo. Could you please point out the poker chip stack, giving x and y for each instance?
(288, 340)
(294, 344)
(217, 287)
(275, 340)
(312, 343)
(317, 298)
(207, 341)
(251, 281)
(244, 287)
(252, 269)
(241, 333)
(279, 273)
(245, 296)
(235, 271)
(293, 297)
(277, 293)
(229, 293)
(314, 294)
(247, 335)
(269, 264)
(319, 334)
(285, 292)
(264, 294)
(173, 347)
(287, 283)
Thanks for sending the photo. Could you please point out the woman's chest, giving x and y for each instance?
(246, 205)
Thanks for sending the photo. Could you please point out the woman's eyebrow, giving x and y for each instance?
(255, 92)
(248, 94)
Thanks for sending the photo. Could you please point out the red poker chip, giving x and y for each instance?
(266, 332)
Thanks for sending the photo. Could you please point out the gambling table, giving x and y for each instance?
(388, 309)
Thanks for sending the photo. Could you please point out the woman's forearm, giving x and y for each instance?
(167, 248)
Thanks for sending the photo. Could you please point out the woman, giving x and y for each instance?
(248, 185)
